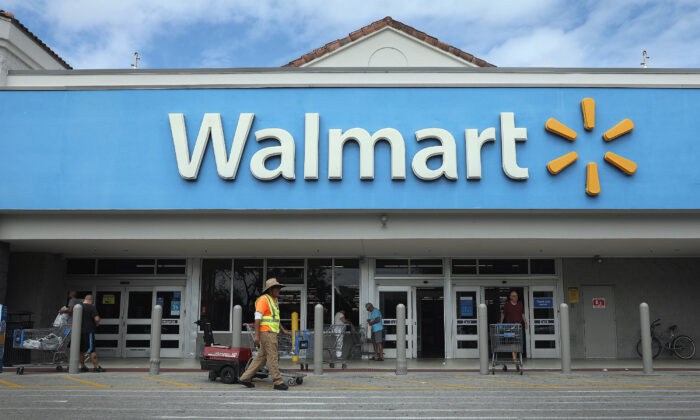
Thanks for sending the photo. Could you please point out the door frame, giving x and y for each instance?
(172, 352)
(531, 335)
(465, 353)
(117, 351)
(411, 339)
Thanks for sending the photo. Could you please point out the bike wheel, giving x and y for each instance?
(684, 347)
(656, 347)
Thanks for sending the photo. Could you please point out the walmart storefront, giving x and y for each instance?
(437, 188)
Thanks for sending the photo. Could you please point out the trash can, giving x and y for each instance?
(16, 321)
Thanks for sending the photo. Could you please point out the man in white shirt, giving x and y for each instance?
(340, 323)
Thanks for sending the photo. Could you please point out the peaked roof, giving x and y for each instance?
(36, 39)
(374, 27)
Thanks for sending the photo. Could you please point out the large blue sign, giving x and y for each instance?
(117, 149)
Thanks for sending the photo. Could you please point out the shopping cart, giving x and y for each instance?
(358, 343)
(506, 338)
(284, 350)
(333, 344)
(48, 347)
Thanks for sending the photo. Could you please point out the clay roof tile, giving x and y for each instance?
(375, 26)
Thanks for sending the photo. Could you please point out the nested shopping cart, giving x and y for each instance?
(48, 346)
(506, 338)
(334, 348)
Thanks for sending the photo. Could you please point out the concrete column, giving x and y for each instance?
(156, 321)
(4, 263)
(237, 323)
(318, 339)
(483, 331)
(74, 360)
(565, 338)
(401, 368)
(645, 326)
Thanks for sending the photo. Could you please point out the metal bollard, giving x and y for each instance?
(318, 339)
(483, 331)
(646, 338)
(156, 320)
(74, 361)
(237, 323)
(565, 338)
(401, 368)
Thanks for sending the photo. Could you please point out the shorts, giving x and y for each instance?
(378, 336)
(87, 343)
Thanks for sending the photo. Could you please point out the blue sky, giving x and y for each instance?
(216, 33)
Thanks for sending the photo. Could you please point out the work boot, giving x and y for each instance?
(247, 384)
(281, 387)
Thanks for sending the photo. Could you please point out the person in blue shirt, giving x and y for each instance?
(375, 321)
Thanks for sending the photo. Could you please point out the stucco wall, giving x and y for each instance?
(669, 285)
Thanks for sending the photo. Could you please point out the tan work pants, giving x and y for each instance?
(267, 355)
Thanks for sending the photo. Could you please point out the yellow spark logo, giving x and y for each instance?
(592, 181)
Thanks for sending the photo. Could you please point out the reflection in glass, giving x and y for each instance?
(247, 285)
(216, 292)
(347, 288)
(318, 290)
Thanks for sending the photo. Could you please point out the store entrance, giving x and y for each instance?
(431, 321)
(495, 298)
(125, 325)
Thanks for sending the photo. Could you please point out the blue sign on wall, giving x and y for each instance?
(113, 149)
(543, 302)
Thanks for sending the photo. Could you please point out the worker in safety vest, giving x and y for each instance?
(267, 326)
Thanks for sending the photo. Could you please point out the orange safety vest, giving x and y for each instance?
(271, 315)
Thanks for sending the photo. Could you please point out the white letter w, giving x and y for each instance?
(226, 166)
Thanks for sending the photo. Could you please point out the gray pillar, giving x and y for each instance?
(74, 361)
(565, 338)
(318, 339)
(4, 264)
(483, 331)
(156, 321)
(237, 323)
(646, 338)
(401, 368)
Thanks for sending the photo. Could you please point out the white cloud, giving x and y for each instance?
(101, 33)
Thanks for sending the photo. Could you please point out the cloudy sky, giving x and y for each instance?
(258, 33)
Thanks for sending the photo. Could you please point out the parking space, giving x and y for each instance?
(355, 395)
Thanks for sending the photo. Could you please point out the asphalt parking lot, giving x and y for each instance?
(353, 395)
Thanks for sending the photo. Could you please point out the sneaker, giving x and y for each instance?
(99, 369)
(247, 384)
(281, 387)
(84, 369)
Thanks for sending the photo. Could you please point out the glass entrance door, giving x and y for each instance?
(544, 325)
(139, 308)
(170, 298)
(387, 299)
(125, 325)
(108, 335)
(464, 330)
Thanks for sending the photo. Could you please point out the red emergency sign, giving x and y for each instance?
(599, 303)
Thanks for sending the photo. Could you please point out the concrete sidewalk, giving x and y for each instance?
(414, 365)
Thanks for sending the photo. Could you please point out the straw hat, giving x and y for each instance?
(272, 283)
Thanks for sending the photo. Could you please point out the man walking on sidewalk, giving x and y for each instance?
(267, 327)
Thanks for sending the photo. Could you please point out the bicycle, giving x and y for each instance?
(682, 346)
